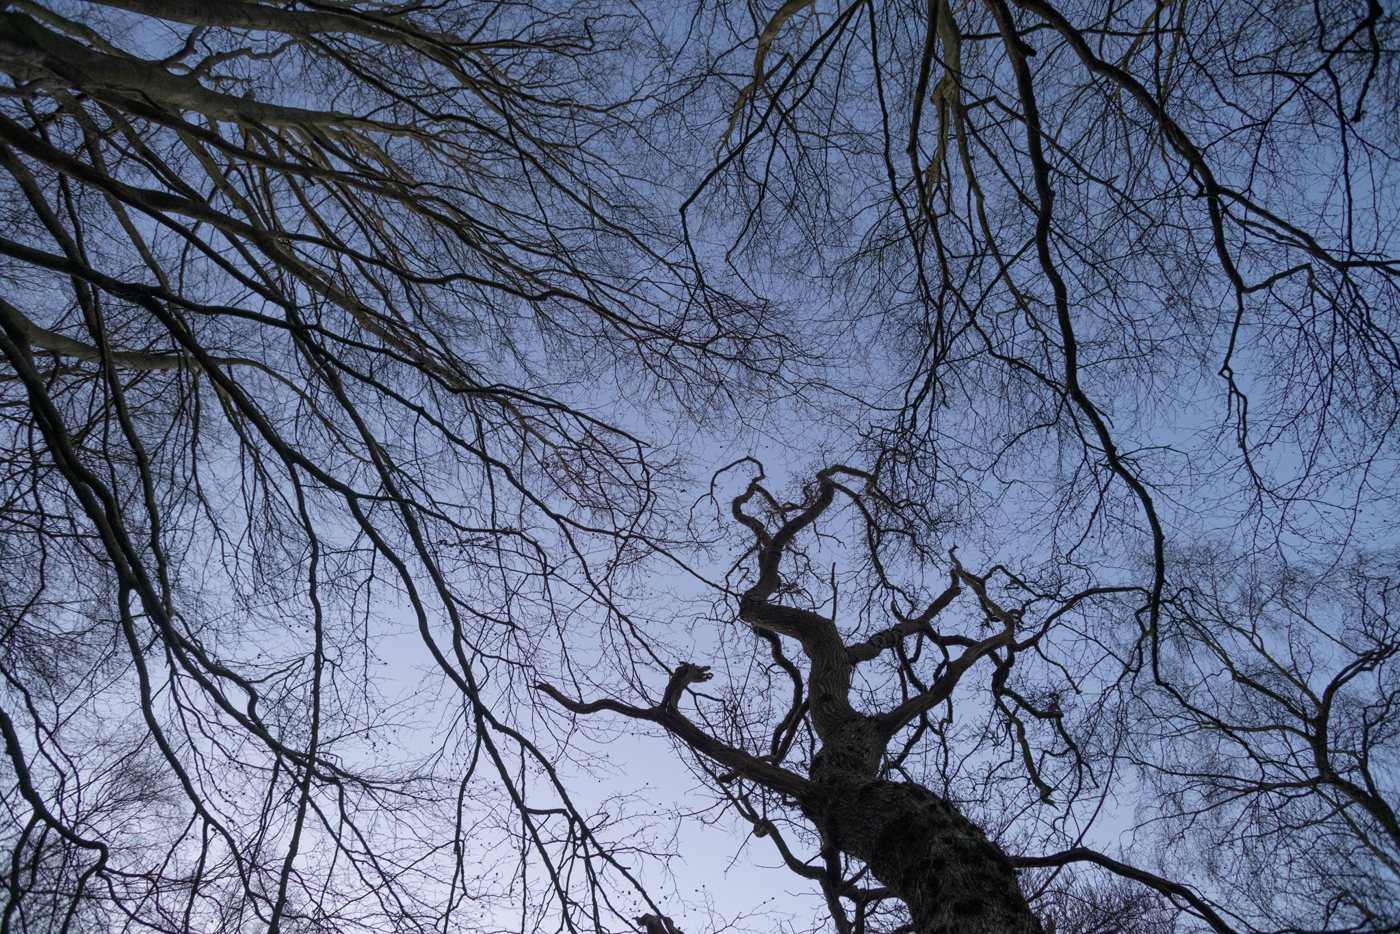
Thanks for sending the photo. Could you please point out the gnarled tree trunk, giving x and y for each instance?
(915, 843)
(940, 864)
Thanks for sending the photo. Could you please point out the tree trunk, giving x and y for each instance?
(938, 862)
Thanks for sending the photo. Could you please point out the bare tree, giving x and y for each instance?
(1262, 726)
(1135, 265)
(308, 312)
(332, 323)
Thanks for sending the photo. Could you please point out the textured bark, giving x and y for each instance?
(232, 14)
(53, 342)
(954, 880)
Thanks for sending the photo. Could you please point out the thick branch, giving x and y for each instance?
(56, 343)
(890, 723)
(746, 766)
(836, 722)
(1165, 886)
(889, 638)
(683, 677)
(30, 52)
(231, 14)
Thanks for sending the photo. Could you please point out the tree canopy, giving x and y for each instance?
(967, 431)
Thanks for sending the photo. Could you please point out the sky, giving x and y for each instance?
(816, 242)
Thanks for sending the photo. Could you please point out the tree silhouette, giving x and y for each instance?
(291, 294)
(357, 369)
(1134, 267)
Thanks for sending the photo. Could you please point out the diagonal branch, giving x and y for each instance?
(666, 715)
(1165, 886)
(892, 722)
(889, 638)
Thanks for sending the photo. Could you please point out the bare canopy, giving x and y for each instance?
(363, 367)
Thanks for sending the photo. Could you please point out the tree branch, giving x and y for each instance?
(56, 343)
(1165, 886)
(941, 689)
(888, 638)
(746, 766)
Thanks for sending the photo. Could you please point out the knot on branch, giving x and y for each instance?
(686, 674)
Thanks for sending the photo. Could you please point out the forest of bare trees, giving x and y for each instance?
(966, 432)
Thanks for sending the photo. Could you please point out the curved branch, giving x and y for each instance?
(892, 722)
(888, 638)
(746, 766)
(1165, 886)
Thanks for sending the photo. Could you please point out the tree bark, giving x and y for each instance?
(954, 880)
